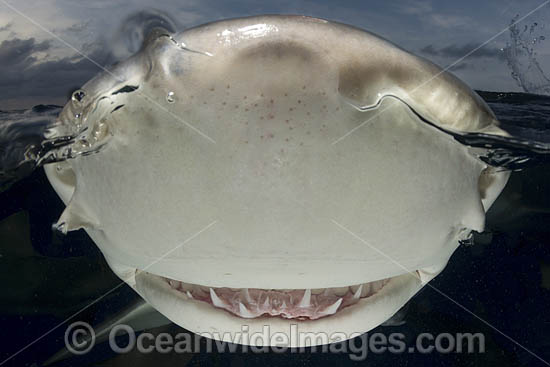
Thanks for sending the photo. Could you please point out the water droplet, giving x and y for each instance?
(78, 95)
(171, 97)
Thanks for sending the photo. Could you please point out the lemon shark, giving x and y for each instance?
(275, 171)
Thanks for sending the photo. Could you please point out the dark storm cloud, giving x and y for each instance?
(22, 74)
(430, 50)
(17, 51)
(458, 51)
(461, 66)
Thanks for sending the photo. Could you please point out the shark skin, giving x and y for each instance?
(275, 170)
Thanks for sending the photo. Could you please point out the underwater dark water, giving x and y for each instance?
(503, 276)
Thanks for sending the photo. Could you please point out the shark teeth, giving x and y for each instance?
(266, 302)
(330, 310)
(246, 295)
(243, 311)
(306, 299)
(216, 301)
(357, 293)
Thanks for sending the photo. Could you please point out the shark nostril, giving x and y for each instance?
(78, 95)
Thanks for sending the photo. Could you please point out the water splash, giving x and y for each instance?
(521, 56)
(21, 137)
(31, 138)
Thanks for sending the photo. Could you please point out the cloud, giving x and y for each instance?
(77, 27)
(449, 21)
(461, 66)
(25, 74)
(17, 51)
(424, 10)
(416, 8)
(430, 50)
(459, 51)
(6, 27)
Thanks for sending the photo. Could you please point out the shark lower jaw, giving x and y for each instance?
(292, 304)
(352, 317)
(298, 304)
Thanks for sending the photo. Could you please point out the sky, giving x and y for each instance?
(41, 42)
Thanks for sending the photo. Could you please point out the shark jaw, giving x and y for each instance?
(217, 312)
(301, 304)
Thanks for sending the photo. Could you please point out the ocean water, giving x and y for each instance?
(502, 275)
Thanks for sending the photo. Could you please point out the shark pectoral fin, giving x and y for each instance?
(75, 216)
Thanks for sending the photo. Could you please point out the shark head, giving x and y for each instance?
(275, 171)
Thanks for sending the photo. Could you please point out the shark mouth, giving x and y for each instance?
(298, 304)
(219, 311)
